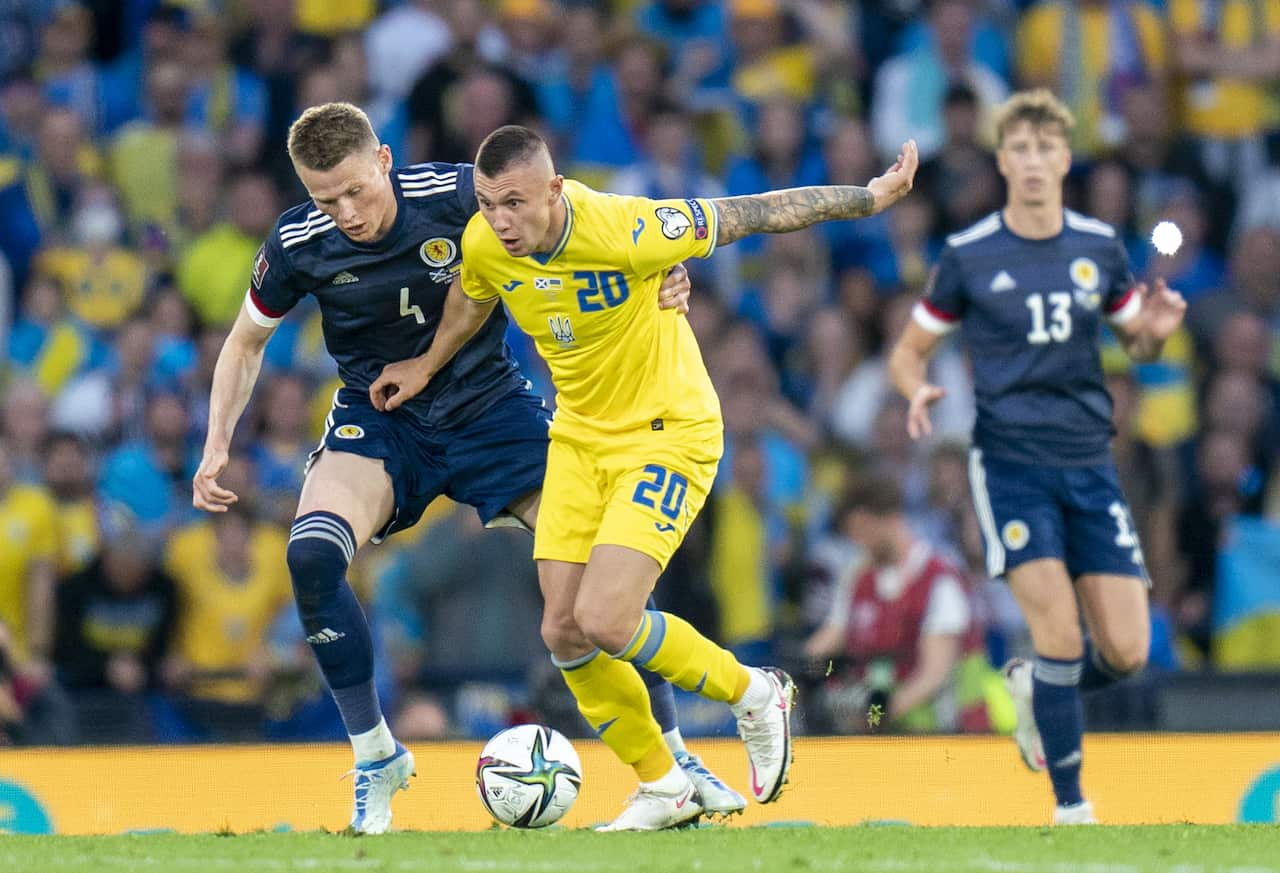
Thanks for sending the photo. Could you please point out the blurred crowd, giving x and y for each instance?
(142, 163)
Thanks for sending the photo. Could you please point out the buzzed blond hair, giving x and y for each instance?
(324, 135)
(1039, 107)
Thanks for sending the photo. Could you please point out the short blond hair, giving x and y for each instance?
(324, 135)
(1038, 107)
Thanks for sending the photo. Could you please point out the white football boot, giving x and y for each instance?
(670, 802)
(1017, 678)
(1076, 814)
(374, 786)
(717, 797)
(766, 731)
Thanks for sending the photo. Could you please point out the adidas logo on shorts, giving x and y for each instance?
(345, 278)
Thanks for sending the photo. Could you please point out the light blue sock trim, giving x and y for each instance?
(575, 663)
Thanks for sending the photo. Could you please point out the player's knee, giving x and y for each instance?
(1127, 658)
(317, 568)
(563, 638)
(603, 627)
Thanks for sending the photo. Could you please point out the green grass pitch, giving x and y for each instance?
(883, 849)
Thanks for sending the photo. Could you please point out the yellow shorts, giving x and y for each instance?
(640, 492)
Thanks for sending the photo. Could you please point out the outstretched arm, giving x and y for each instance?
(462, 319)
(795, 208)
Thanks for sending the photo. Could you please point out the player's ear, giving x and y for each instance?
(384, 158)
(557, 186)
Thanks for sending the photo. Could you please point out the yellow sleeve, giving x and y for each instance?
(1184, 16)
(475, 261)
(174, 551)
(44, 527)
(1273, 18)
(1154, 44)
(1038, 43)
(665, 232)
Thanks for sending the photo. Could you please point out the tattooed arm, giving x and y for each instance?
(795, 208)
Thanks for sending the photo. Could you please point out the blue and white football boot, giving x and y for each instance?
(375, 783)
(718, 799)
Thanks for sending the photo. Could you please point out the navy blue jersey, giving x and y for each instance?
(1031, 314)
(381, 302)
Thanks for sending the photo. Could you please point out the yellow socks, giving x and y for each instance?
(613, 699)
(669, 646)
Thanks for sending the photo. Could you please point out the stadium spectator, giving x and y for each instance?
(226, 99)
(143, 154)
(64, 163)
(961, 179)
(147, 475)
(33, 711)
(1091, 53)
(859, 400)
(741, 563)
(116, 618)
(437, 108)
(671, 166)
(425, 618)
(1160, 157)
(782, 157)
(66, 71)
(47, 345)
(21, 240)
(911, 88)
(611, 129)
(232, 584)
(211, 272)
(902, 627)
(162, 41)
(283, 445)
(69, 476)
(1228, 58)
(24, 427)
(696, 33)
(766, 63)
(104, 278)
(401, 44)
(108, 402)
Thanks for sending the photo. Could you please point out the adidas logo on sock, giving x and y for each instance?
(325, 635)
(1069, 760)
(344, 278)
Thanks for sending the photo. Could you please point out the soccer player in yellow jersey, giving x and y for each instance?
(636, 437)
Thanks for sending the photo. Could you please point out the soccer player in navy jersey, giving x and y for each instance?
(1029, 287)
(378, 247)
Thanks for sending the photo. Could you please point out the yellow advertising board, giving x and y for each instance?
(835, 781)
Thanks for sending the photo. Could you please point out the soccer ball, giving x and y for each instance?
(528, 776)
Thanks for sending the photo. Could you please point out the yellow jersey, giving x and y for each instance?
(223, 622)
(1220, 106)
(28, 525)
(618, 362)
(77, 527)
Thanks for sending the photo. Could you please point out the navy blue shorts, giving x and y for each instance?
(1075, 514)
(489, 463)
